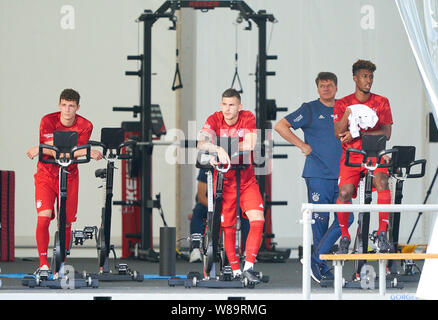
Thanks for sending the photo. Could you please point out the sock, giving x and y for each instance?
(67, 237)
(237, 273)
(248, 265)
(254, 240)
(383, 197)
(42, 238)
(229, 246)
(343, 220)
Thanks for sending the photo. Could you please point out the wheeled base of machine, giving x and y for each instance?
(108, 277)
(357, 284)
(405, 277)
(195, 279)
(273, 255)
(62, 283)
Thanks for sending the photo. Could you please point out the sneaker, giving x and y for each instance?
(195, 255)
(315, 270)
(382, 244)
(344, 243)
(251, 276)
(43, 271)
(328, 275)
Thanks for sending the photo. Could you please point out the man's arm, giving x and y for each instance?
(34, 151)
(283, 128)
(341, 126)
(205, 143)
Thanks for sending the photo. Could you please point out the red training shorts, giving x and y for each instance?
(47, 191)
(250, 199)
(351, 175)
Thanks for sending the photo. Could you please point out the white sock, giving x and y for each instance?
(237, 273)
(248, 265)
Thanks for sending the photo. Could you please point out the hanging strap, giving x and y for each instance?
(177, 75)
(236, 73)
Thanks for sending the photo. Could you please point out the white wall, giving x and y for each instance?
(39, 58)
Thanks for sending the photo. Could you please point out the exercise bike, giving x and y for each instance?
(373, 147)
(403, 162)
(64, 146)
(217, 272)
(112, 145)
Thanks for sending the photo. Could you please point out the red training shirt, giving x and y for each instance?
(378, 103)
(50, 123)
(246, 123)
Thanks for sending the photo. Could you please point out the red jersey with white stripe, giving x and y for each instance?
(379, 104)
(50, 123)
(246, 123)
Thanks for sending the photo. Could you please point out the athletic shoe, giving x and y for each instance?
(251, 276)
(382, 244)
(43, 271)
(344, 243)
(328, 275)
(315, 270)
(195, 255)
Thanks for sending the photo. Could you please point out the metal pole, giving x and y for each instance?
(307, 231)
(338, 278)
(146, 136)
(382, 277)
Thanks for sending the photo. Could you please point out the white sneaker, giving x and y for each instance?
(195, 255)
(43, 268)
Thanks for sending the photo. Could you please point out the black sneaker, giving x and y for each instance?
(328, 275)
(315, 270)
(251, 276)
(382, 244)
(344, 243)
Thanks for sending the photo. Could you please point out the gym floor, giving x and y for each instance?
(285, 283)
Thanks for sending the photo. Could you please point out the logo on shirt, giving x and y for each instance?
(48, 135)
(315, 196)
(298, 118)
(321, 117)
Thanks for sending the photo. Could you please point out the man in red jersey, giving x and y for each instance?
(363, 76)
(47, 175)
(232, 121)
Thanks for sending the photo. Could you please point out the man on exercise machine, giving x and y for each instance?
(199, 214)
(47, 175)
(321, 170)
(232, 121)
(363, 76)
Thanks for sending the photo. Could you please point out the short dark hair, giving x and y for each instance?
(326, 76)
(70, 95)
(363, 64)
(230, 93)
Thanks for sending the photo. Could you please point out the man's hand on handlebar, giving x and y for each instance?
(386, 158)
(222, 157)
(96, 154)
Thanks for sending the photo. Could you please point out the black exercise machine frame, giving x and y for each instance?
(112, 145)
(64, 143)
(265, 109)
